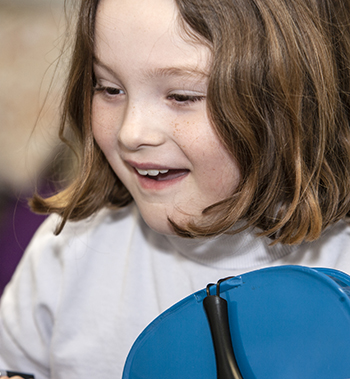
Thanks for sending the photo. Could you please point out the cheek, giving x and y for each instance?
(192, 132)
(219, 168)
(216, 169)
(103, 126)
(222, 174)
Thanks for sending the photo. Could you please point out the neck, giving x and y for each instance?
(244, 250)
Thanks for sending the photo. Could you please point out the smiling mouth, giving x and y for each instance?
(161, 175)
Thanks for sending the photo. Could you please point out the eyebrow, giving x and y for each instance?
(159, 72)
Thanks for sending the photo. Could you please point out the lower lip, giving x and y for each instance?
(153, 184)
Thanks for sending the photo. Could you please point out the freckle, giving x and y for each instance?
(176, 128)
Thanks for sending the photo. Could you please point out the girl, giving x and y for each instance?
(213, 139)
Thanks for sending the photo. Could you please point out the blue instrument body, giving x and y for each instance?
(285, 322)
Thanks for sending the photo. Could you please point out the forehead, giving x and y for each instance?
(145, 33)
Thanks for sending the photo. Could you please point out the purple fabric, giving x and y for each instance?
(16, 230)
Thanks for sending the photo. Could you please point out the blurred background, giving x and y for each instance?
(31, 36)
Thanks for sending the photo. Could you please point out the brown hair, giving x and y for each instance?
(278, 97)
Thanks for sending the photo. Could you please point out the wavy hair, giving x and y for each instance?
(279, 99)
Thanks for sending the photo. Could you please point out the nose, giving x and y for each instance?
(140, 127)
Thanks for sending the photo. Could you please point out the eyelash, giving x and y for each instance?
(109, 92)
(182, 100)
(179, 99)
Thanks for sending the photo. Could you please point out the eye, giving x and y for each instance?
(183, 99)
(109, 92)
(113, 91)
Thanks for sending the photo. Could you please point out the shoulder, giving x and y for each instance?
(335, 241)
(107, 233)
(103, 225)
(331, 250)
(87, 246)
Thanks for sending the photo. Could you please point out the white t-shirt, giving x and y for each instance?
(78, 300)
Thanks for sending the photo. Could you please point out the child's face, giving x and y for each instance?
(149, 112)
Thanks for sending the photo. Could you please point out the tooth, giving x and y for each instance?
(142, 172)
(152, 172)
